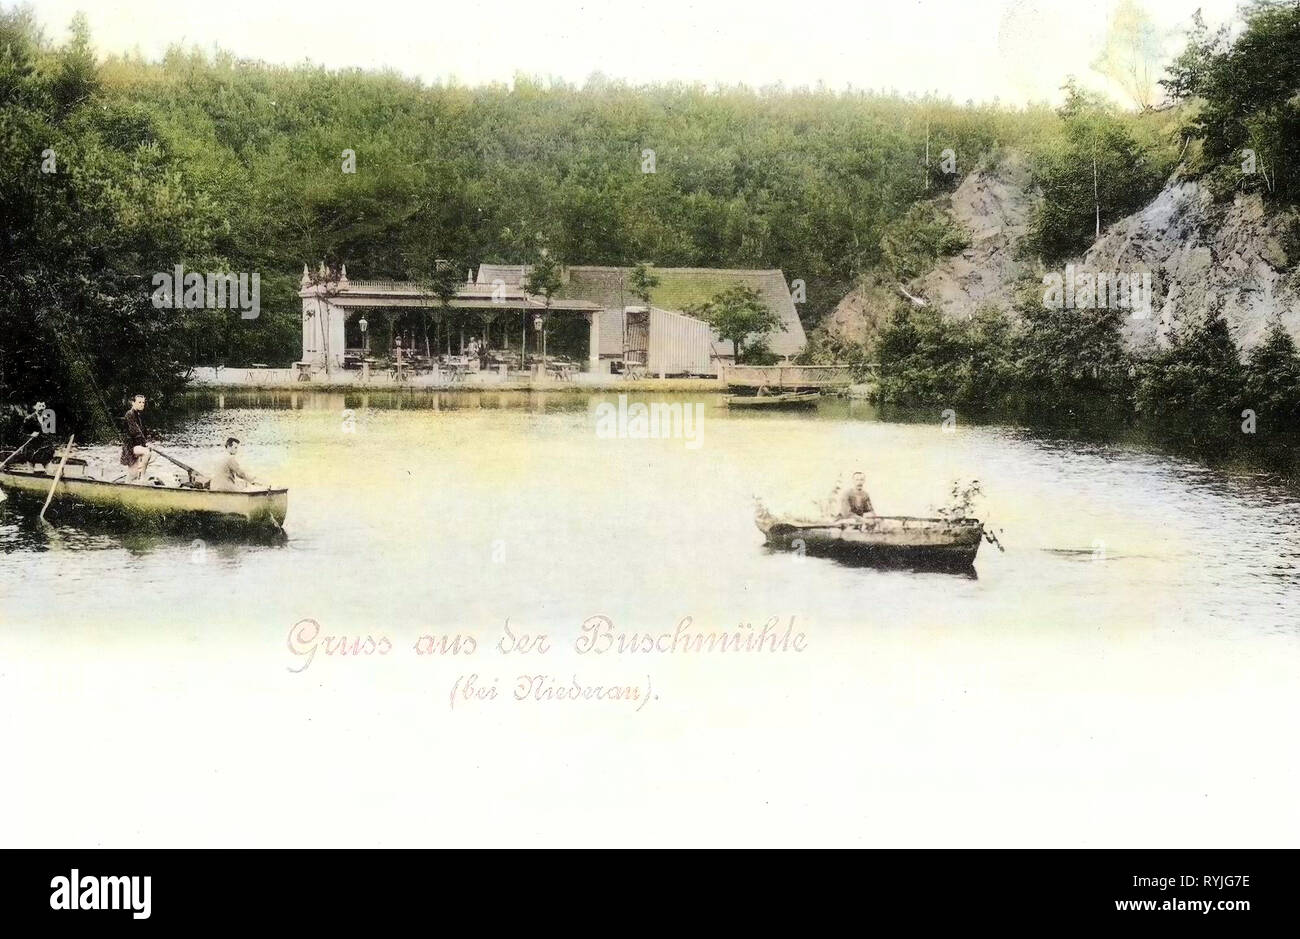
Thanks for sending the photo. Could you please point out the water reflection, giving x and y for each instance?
(66, 529)
(454, 508)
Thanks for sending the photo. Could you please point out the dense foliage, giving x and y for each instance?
(1094, 173)
(741, 316)
(1071, 367)
(91, 206)
(1248, 92)
(220, 164)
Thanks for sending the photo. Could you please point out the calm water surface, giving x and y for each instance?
(450, 510)
(1124, 674)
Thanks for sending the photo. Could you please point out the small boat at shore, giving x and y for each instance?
(168, 505)
(882, 540)
(787, 399)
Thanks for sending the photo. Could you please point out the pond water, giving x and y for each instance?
(1142, 601)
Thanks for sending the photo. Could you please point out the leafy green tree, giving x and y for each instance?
(1073, 368)
(93, 206)
(927, 360)
(1186, 76)
(1193, 390)
(987, 379)
(739, 315)
(1272, 382)
(1250, 89)
(441, 279)
(918, 349)
(642, 281)
(1096, 173)
(911, 245)
(543, 280)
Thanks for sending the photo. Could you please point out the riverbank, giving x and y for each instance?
(283, 379)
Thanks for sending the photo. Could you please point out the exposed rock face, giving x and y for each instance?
(861, 314)
(992, 206)
(1231, 258)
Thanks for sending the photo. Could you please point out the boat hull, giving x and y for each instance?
(884, 541)
(157, 504)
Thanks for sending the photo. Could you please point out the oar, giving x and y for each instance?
(168, 456)
(58, 474)
(23, 447)
(185, 466)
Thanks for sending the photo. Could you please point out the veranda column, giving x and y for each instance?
(593, 341)
(335, 317)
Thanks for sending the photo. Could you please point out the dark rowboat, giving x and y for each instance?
(788, 399)
(882, 540)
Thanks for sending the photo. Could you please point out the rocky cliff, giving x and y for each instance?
(1234, 257)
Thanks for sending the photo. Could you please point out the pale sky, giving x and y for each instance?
(1015, 50)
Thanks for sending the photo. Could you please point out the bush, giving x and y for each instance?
(1193, 390)
(1272, 383)
(929, 361)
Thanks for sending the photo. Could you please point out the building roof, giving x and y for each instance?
(477, 295)
(679, 287)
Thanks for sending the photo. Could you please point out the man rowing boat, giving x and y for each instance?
(230, 476)
(135, 445)
(855, 504)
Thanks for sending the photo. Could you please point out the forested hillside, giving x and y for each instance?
(216, 163)
(220, 164)
(1195, 199)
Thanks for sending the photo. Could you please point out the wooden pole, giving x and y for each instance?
(58, 474)
(20, 449)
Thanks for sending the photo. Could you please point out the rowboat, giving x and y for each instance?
(882, 540)
(788, 399)
(169, 505)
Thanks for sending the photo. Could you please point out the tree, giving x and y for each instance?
(642, 281)
(1072, 366)
(78, 247)
(1193, 389)
(738, 314)
(1251, 118)
(925, 233)
(543, 281)
(1272, 381)
(1094, 175)
(1132, 53)
(1187, 74)
(443, 282)
(918, 350)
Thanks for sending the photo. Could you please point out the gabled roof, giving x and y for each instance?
(679, 287)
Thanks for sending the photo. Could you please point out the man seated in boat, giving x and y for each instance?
(230, 476)
(855, 504)
(40, 451)
(135, 444)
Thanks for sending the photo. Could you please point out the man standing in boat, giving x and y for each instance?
(230, 476)
(135, 445)
(855, 504)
